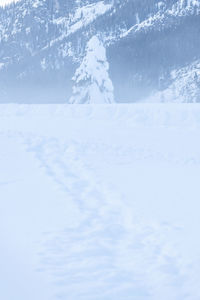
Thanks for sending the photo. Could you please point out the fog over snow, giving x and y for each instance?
(151, 51)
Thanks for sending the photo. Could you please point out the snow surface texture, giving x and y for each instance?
(100, 202)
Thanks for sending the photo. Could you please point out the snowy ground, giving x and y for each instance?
(100, 202)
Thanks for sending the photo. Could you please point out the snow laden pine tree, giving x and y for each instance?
(91, 80)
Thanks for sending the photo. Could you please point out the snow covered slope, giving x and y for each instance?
(43, 43)
(184, 86)
(100, 202)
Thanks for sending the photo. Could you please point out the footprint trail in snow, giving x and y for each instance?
(110, 251)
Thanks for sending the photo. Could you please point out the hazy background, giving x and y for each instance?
(152, 48)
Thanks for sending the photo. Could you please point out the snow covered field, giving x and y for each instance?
(100, 202)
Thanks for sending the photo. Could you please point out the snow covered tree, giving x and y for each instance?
(92, 82)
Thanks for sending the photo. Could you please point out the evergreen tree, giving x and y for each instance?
(92, 82)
